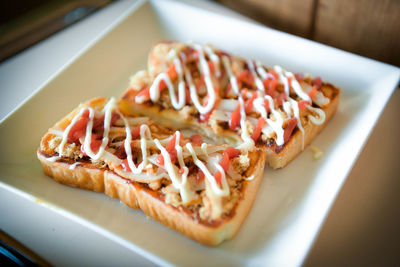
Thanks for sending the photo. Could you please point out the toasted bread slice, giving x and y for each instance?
(203, 191)
(231, 100)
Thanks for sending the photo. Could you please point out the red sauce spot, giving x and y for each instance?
(171, 72)
(234, 120)
(135, 133)
(120, 152)
(281, 98)
(224, 162)
(266, 105)
(187, 99)
(276, 76)
(196, 139)
(211, 67)
(79, 128)
(145, 94)
(206, 117)
(317, 82)
(272, 87)
(160, 160)
(257, 131)
(94, 145)
(249, 104)
(291, 124)
(171, 150)
(245, 77)
(299, 77)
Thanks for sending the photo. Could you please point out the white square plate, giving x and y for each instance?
(291, 203)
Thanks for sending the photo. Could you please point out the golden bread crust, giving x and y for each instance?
(138, 196)
(294, 146)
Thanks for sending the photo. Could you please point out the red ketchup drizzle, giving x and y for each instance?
(257, 131)
(282, 97)
(317, 82)
(234, 120)
(206, 117)
(246, 77)
(271, 89)
(94, 144)
(289, 129)
(313, 92)
(228, 154)
(303, 104)
(145, 93)
(79, 128)
(171, 150)
(196, 139)
(249, 104)
(120, 152)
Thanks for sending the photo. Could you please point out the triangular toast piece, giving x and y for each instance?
(202, 190)
(232, 100)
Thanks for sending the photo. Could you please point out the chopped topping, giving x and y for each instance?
(79, 128)
(171, 150)
(135, 132)
(303, 104)
(246, 78)
(232, 152)
(94, 144)
(313, 92)
(317, 82)
(257, 131)
(143, 96)
(291, 124)
(196, 139)
(276, 76)
(249, 104)
(234, 121)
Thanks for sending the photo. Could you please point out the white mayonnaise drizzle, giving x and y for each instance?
(277, 124)
(144, 135)
(204, 69)
(88, 137)
(261, 71)
(179, 183)
(290, 107)
(66, 132)
(224, 191)
(321, 115)
(215, 59)
(155, 91)
(248, 142)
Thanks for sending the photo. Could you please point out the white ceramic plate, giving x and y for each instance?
(291, 203)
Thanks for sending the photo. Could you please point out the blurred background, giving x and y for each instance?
(369, 28)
